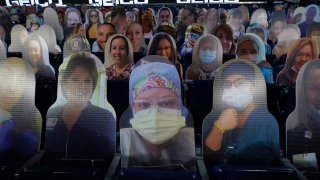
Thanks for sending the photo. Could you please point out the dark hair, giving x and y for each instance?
(155, 44)
(88, 16)
(107, 24)
(118, 11)
(84, 60)
(124, 39)
(227, 30)
(6, 22)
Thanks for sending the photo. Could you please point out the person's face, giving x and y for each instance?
(35, 27)
(212, 21)
(118, 50)
(34, 52)
(248, 50)
(159, 97)
(84, 8)
(60, 17)
(147, 21)
(277, 28)
(72, 18)
(11, 89)
(297, 18)
(187, 17)
(206, 45)
(93, 17)
(313, 89)
(78, 86)
(303, 56)
(81, 31)
(311, 13)
(235, 22)
(135, 34)
(31, 10)
(164, 16)
(164, 49)
(226, 41)
(120, 24)
(104, 32)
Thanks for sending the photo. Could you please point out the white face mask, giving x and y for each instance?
(238, 98)
(207, 56)
(158, 125)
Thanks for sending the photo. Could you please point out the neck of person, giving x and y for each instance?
(75, 107)
(244, 114)
(120, 67)
(155, 149)
(147, 29)
(207, 68)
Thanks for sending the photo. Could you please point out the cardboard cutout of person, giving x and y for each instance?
(158, 137)
(35, 51)
(206, 58)
(3, 51)
(118, 58)
(79, 126)
(239, 129)
(75, 43)
(303, 123)
(72, 16)
(93, 19)
(49, 35)
(51, 18)
(20, 121)
(18, 35)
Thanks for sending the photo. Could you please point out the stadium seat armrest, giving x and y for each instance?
(36, 158)
(202, 168)
(113, 167)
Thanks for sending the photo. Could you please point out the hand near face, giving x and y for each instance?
(228, 119)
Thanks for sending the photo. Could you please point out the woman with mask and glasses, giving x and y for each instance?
(240, 129)
(206, 60)
(158, 136)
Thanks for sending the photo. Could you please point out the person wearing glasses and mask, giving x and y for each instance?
(300, 52)
(240, 129)
(158, 136)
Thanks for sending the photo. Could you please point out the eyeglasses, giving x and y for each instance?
(246, 51)
(159, 50)
(167, 103)
(301, 55)
(239, 83)
(93, 15)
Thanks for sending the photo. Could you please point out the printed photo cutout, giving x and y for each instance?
(32, 23)
(234, 19)
(20, 120)
(93, 19)
(49, 35)
(78, 127)
(3, 51)
(51, 18)
(239, 129)
(303, 124)
(311, 14)
(298, 15)
(287, 36)
(313, 31)
(193, 32)
(18, 35)
(71, 17)
(278, 22)
(300, 51)
(75, 43)
(99, 97)
(165, 16)
(260, 17)
(35, 52)
(211, 21)
(206, 58)
(118, 58)
(158, 137)
(104, 32)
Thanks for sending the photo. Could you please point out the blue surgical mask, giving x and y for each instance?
(207, 56)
